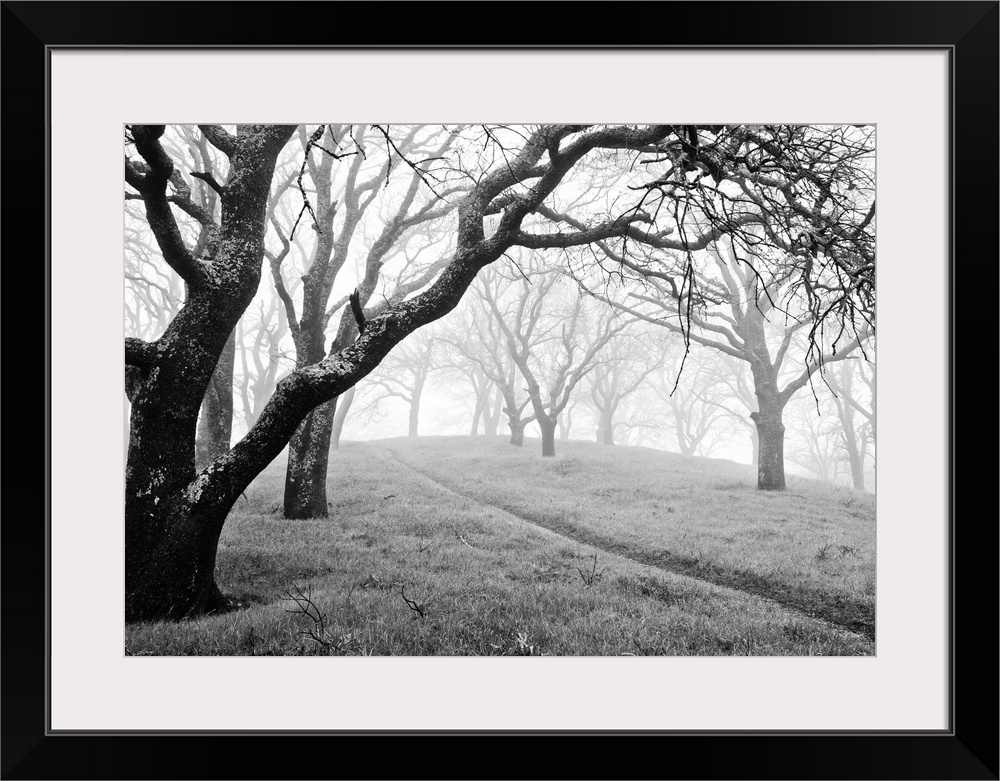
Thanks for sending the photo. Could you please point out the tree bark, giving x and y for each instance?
(173, 577)
(173, 516)
(171, 526)
(548, 428)
(308, 457)
(516, 433)
(771, 453)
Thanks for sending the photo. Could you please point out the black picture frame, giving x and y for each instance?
(967, 750)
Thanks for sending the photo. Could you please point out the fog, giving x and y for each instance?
(614, 350)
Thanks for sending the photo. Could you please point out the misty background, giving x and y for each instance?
(647, 383)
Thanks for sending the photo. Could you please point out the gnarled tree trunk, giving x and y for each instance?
(172, 530)
(308, 457)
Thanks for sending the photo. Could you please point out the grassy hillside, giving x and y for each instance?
(458, 545)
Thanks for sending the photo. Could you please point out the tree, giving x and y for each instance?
(404, 373)
(795, 201)
(169, 546)
(553, 336)
(733, 374)
(200, 205)
(624, 365)
(455, 364)
(373, 157)
(174, 513)
(815, 439)
(739, 312)
(695, 406)
(848, 400)
(484, 345)
(344, 403)
(261, 356)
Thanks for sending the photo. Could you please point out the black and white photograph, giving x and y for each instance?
(500, 390)
(558, 342)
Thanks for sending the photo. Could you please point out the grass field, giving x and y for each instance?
(460, 545)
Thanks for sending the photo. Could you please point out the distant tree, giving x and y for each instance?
(341, 204)
(697, 418)
(261, 355)
(743, 312)
(464, 359)
(739, 403)
(153, 292)
(624, 364)
(174, 513)
(484, 345)
(815, 438)
(564, 423)
(404, 373)
(553, 335)
(849, 400)
(344, 403)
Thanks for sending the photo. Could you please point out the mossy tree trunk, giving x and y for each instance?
(173, 515)
(172, 530)
(308, 461)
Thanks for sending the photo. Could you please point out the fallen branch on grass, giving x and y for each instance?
(416, 608)
(304, 606)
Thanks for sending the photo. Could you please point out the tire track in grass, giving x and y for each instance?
(839, 612)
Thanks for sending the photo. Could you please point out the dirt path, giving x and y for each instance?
(830, 609)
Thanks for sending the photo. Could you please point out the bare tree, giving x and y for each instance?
(463, 358)
(697, 418)
(403, 375)
(484, 346)
(743, 312)
(262, 355)
(174, 514)
(350, 170)
(849, 402)
(553, 336)
(815, 439)
(344, 403)
(625, 363)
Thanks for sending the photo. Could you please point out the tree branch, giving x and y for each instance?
(138, 352)
(160, 218)
(219, 138)
(808, 372)
(209, 180)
